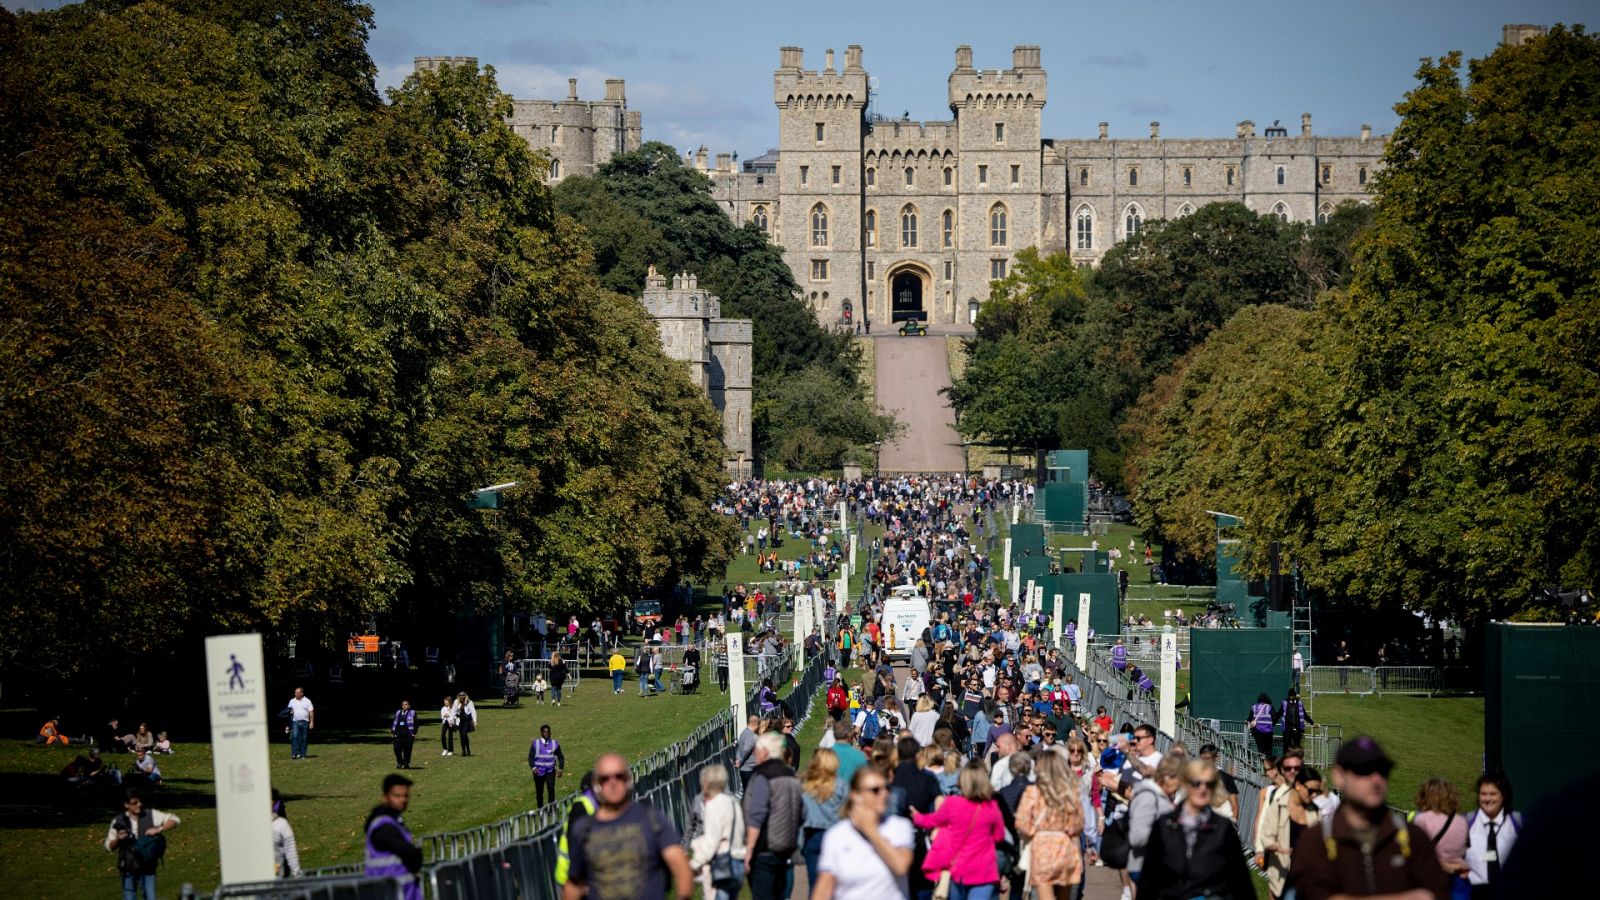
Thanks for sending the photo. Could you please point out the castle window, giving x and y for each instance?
(835, 174)
(1133, 176)
(871, 269)
(1132, 221)
(949, 176)
(997, 269)
(1188, 177)
(1281, 211)
(1361, 175)
(819, 270)
(949, 270)
(1327, 174)
(555, 169)
(999, 131)
(1230, 176)
(805, 174)
(1016, 174)
(555, 133)
(759, 216)
(869, 227)
(1085, 229)
(872, 177)
(983, 174)
(819, 226)
(1280, 174)
(1324, 213)
(820, 132)
(947, 227)
(1083, 177)
(1185, 210)
(911, 176)
(908, 226)
(997, 225)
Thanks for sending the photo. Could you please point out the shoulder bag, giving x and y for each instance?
(727, 873)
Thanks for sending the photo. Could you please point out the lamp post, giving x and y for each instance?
(489, 498)
(966, 456)
(877, 453)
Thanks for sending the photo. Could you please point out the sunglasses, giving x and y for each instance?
(609, 777)
(1364, 771)
(1289, 768)
(1208, 785)
(875, 789)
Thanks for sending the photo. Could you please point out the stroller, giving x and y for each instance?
(688, 678)
(513, 689)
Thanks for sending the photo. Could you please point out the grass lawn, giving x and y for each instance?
(60, 829)
(1426, 737)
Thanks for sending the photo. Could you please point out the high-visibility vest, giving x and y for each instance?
(563, 857)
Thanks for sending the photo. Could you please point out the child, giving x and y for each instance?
(162, 744)
(540, 685)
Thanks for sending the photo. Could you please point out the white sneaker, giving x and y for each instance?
(1127, 893)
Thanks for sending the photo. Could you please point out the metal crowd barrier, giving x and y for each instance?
(528, 669)
(1355, 680)
(1407, 680)
(1320, 742)
(338, 887)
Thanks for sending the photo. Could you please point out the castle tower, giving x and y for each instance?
(819, 176)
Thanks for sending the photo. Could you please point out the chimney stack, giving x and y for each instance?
(615, 90)
(1305, 125)
(1366, 132)
(700, 158)
(964, 58)
(791, 58)
(572, 88)
(1104, 128)
(852, 58)
(1025, 56)
(1155, 130)
(827, 61)
(724, 162)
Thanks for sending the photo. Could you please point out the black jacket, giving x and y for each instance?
(1215, 868)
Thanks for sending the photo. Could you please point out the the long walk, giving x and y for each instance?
(910, 373)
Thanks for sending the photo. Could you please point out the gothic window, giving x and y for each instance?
(1188, 177)
(1083, 177)
(1324, 213)
(835, 174)
(947, 227)
(999, 131)
(1132, 221)
(949, 176)
(1280, 174)
(997, 225)
(908, 226)
(1281, 211)
(1016, 174)
(983, 174)
(869, 227)
(820, 132)
(1230, 176)
(872, 177)
(555, 133)
(911, 176)
(1085, 229)
(1133, 176)
(760, 218)
(819, 226)
(1361, 176)
(1185, 210)
(1327, 174)
(555, 168)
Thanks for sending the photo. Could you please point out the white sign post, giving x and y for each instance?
(1082, 633)
(1016, 510)
(844, 523)
(1027, 598)
(819, 611)
(1005, 565)
(736, 694)
(852, 551)
(1169, 681)
(1016, 583)
(236, 684)
(802, 605)
(1056, 620)
(1038, 598)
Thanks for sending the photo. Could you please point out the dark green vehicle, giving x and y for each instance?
(913, 328)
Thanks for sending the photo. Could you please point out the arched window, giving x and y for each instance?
(949, 176)
(908, 225)
(819, 226)
(1185, 210)
(1281, 211)
(1132, 220)
(947, 227)
(760, 218)
(869, 228)
(1324, 213)
(1280, 174)
(997, 225)
(872, 177)
(1083, 177)
(1133, 177)
(1085, 228)
(911, 176)
(1361, 175)
(555, 169)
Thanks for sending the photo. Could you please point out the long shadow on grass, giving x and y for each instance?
(39, 800)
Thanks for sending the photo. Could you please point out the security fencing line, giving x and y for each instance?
(339, 887)
(1365, 681)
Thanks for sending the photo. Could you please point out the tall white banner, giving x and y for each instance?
(1027, 598)
(853, 552)
(736, 693)
(1169, 681)
(1016, 583)
(1005, 565)
(1081, 633)
(1057, 617)
(236, 684)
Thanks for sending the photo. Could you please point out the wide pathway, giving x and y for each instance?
(911, 372)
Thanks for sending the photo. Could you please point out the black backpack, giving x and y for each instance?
(1114, 843)
(141, 855)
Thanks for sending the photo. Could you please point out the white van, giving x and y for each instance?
(905, 615)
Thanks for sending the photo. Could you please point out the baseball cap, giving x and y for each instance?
(1363, 756)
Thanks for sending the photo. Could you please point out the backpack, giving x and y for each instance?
(871, 727)
(141, 855)
(1115, 843)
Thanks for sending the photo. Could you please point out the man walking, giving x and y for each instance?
(302, 718)
(1365, 849)
(545, 760)
(773, 811)
(390, 850)
(625, 850)
(137, 836)
(404, 731)
(744, 751)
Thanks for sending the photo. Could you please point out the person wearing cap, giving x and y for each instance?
(1365, 849)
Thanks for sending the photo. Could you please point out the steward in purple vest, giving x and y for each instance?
(390, 852)
(1262, 719)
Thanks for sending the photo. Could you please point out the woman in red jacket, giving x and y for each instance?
(838, 700)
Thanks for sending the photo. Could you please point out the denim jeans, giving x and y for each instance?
(771, 877)
(644, 681)
(299, 733)
(133, 884)
(811, 852)
(973, 891)
(616, 681)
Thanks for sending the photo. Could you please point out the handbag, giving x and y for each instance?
(941, 891)
(727, 873)
(1115, 845)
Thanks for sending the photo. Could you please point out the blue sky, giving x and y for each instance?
(701, 73)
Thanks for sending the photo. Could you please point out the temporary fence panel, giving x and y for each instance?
(1320, 742)
(529, 669)
(1026, 537)
(1407, 679)
(1229, 667)
(1541, 680)
(1104, 615)
(346, 887)
(1357, 680)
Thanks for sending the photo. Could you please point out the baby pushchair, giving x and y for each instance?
(688, 678)
(513, 689)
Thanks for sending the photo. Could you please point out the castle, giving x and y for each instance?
(717, 350)
(892, 219)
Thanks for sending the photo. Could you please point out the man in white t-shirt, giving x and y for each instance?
(866, 856)
(302, 718)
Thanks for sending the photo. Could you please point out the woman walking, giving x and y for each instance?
(970, 825)
(558, 678)
(1262, 720)
(1492, 832)
(1152, 799)
(867, 855)
(447, 725)
(1051, 816)
(823, 795)
(466, 721)
(722, 834)
(1438, 815)
(1192, 851)
(285, 853)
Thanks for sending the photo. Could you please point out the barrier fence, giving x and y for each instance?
(1362, 681)
(343, 887)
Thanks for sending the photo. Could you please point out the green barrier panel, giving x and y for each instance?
(1103, 608)
(1228, 667)
(1068, 466)
(1026, 536)
(1064, 504)
(1541, 684)
(1033, 568)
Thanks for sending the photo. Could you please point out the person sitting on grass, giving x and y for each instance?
(144, 768)
(50, 733)
(163, 744)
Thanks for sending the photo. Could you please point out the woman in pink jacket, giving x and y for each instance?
(969, 826)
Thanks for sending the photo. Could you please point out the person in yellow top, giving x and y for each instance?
(615, 665)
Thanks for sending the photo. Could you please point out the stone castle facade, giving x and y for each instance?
(717, 350)
(895, 218)
(576, 135)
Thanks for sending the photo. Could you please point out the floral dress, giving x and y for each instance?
(1053, 838)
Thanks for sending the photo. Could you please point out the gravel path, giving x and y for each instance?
(910, 373)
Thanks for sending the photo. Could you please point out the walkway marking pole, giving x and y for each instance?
(236, 684)
(1015, 585)
(1005, 565)
(1056, 617)
(736, 693)
(1169, 681)
(1081, 633)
